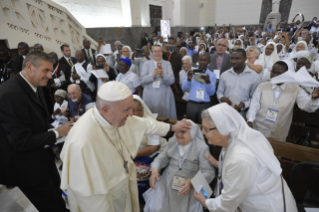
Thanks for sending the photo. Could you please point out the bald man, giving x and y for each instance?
(220, 61)
(38, 47)
(23, 49)
(77, 102)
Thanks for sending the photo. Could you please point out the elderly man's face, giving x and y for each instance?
(186, 65)
(66, 51)
(221, 47)
(79, 56)
(118, 114)
(126, 52)
(23, 49)
(74, 93)
(38, 48)
(40, 75)
(203, 61)
(157, 53)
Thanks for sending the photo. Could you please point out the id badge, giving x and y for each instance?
(57, 81)
(77, 81)
(177, 181)
(200, 94)
(271, 115)
(157, 84)
(217, 73)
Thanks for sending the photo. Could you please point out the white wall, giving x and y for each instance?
(191, 12)
(310, 9)
(40, 21)
(237, 12)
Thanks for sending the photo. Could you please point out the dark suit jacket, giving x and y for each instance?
(144, 41)
(225, 66)
(23, 134)
(93, 56)
(66, 68)
(17, 64)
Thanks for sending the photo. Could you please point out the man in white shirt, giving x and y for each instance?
(81, 73)
(271, 107)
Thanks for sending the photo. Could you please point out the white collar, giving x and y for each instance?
(282, 87)
(100, 117)
(81, 63)
(33, 88)
(66, 58)
(23, 56)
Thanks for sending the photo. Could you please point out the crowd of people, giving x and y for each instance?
(238, 65)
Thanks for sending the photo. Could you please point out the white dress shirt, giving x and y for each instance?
(303, 101)
(130, 79)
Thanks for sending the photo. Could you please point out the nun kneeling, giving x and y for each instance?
(183, 156)
(249, 174)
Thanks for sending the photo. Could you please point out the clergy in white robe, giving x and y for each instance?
(183, 156)
(249, 174)
(98, 170)
(157, 77)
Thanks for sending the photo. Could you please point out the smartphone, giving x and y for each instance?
(171, 48)
(159, 65)
(198, 71)
(118, 56)
(99, 67)
(139, 53)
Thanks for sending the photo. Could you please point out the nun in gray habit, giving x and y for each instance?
(183, 156)
(157, 94)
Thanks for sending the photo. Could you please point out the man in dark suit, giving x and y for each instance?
(220, 60)
(145, 40)
(23, 49)
(88, 52)
(26, 158)
(65, 64)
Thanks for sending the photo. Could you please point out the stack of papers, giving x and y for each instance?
(100, 73)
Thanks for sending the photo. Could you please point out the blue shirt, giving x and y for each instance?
(193, 86)
(267, 29)
(191, 52)
(78, 108)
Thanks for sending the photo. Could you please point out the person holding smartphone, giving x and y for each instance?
(157, 77)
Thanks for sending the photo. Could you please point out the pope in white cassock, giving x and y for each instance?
(98, 170)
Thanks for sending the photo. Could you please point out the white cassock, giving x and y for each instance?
(93, 171)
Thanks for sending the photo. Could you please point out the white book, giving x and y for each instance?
(100, 73)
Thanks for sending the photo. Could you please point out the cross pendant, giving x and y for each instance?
(125, 166)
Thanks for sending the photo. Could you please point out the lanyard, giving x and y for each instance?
(56, 69)
(169, 56)
(181, 160)
(217, 63)
(69, 62)
(79, 109)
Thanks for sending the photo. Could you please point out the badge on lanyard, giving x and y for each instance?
(217, 73)
(57, 82)
(271, 115)
(177, 181)
(200, 94)
(157, 83)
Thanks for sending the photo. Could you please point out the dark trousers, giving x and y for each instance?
(47, 195)
(194, 111)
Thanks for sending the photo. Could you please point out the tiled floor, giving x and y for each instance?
(13, 200)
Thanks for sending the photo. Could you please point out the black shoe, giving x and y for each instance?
(10, 186)
(60, 167)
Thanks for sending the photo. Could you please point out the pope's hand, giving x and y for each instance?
(154, 177)
(200, 197)
(187, 187)
(181, 126)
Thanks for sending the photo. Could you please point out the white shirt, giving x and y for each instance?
(35, 90)
(84, 74)
(58, 106)
(182, 75)
(303, 101)
(183, 149)
(130, 79)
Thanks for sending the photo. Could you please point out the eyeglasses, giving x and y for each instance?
(221, 45)
(207, 130)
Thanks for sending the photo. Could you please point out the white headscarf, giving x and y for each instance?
(146, 111)
(101, 55)
(185, 50)
(291, 54)
(283, 50)
(273, 57)
(129, 49)
(195, 132)
(229, 122)
(242, 43)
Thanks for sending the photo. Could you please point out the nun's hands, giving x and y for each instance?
(183, 125)
(200, 197)
(154, 177)
(187, 187)
(211, 160)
